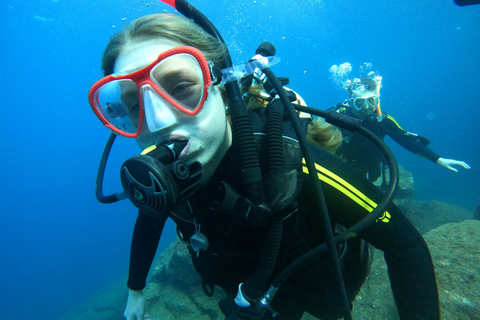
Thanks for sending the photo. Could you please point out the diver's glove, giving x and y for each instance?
(246, 308)
(448, 163)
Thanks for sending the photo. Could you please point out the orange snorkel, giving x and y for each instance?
(377, 91)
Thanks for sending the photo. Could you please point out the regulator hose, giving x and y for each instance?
(320, 199)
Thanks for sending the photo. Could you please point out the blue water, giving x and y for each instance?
(58, 244)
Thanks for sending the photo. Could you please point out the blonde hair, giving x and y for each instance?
(167, 25)
(324, 135)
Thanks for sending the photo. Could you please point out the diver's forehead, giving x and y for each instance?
(138, 54)
(363, 94)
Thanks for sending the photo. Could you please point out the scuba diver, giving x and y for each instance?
(240, 184)
(364, 103)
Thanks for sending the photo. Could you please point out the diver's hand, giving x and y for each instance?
(448, 163)
(135, 309)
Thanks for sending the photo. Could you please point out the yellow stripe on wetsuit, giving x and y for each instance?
(394, 121)
(347, 189)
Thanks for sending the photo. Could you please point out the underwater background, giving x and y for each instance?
(58, 245)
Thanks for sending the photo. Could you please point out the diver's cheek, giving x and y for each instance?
(147, 138)
(207, 138)
(143, 141)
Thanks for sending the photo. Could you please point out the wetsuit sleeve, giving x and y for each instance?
(146, 237)
(409, 141)
(350, 197)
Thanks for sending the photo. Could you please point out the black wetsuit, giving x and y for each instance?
(235, 247)
(362, 154)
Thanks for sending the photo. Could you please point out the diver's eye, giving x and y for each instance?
(132, 105)
(359, 103)
(134, 110)
(181, 88)
(131, 102)
(180, 77)
(373, 101)
(188, 93)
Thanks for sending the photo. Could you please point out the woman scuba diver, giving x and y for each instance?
(234, 182)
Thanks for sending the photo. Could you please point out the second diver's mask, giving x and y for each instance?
(365, 103)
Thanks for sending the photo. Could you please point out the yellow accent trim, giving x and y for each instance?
(147, 150)
(385, 217)
(394, 121)
(347, 189)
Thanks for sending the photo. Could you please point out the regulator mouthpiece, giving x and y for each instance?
(155, 182)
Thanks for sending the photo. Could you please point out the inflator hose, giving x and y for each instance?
(321, 203)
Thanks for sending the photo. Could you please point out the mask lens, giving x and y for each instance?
(373, 101)
(181, 79)
(118, 102)
(359, 103)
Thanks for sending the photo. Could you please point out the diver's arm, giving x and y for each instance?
(409, 141)
(146, 237)
(418, 145)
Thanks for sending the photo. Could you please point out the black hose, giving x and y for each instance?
(244, 141)
(190, 12)
(101, 171)
(255, 284)
(274, 135)
(320, 199)
(367, 220)
(241, 123)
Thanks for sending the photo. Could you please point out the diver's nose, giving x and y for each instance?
(158, 112)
